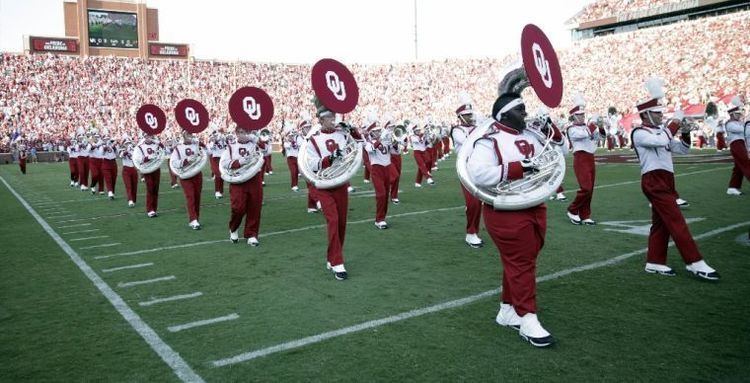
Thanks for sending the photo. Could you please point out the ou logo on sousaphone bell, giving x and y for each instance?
(151, 119)
(245, 108)
(541, 66)
(191, 115)
(334, 85)
(251, 107)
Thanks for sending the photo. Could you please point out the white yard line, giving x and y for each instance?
(178, 365)
(154, 301)
(76, 225)
(199, 323)
(438, 307)
(138, 266)
(263, 235)
(98, 246)
(80, 231)
(58, 216)
(147, 281)
(88, 238)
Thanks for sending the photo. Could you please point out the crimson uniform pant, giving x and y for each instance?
(109, 174)
(438, 150)
(152, 190)
(246, 199)
(610, 142)
(95, 166)
(420, 157)
(446, 145)
(721, 142)
(335, 203)
(366, 160)
(395, 174)
(172, 177)
(381, 181)
(519, 237)
(741, 163)
(22, 165)
(267, 164)
(311, 198)
(559, 189)
(83, 170)
(621, 140)
(430, 157)
(218, 181)
(291, 162)
(73, 166)
(701, 142)
(473, 212)
(192, 188)
(666, 219)
(130, 179)
(583, 165)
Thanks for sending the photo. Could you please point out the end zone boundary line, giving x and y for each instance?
(178, 365)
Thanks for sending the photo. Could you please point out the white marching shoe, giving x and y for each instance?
(507, 317)
(252, 241)
(417, 185)
(339, 272)
(533, 332)
(350, 189)
(655, 268)
(195, 225)
(430, 181)
(366, 181)
(395, 201)
(270, 173)
(312, 210)
(131, 204)
(474, 241)
(218, 195)
(588, 221)
(111, 195)
(574, 218)
(72, 184)
(152, 214)
(701, 269)
(234, 236)
(295, 189)
(84, 188)
(734, 191)
(382, 225)
(175, 186)
(682, 203)
(561, 197)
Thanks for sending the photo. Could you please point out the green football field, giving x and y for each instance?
(91, 290)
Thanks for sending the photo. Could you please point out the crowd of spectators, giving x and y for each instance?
(48, 97)
(603, 9)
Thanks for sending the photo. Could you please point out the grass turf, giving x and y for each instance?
(613, 323)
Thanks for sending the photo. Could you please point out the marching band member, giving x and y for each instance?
(583, 138)
(396, 149)
(446, 143)
(217, 144)
(22, 155)
(267, 165)
(542, 114)
(73, 161)
(654, 145)
(109, 165)
(304, 128)
(519, 235)
(612, 126)
(325, 149)
(129, 174)
(421, 156)
(460, 133)
(378, 150)
(184, 155)
(169, 148)
(95, 163)
(83, 160)
(148, 148)
(430, 156)
(246, 198)
(720, 131)
(738, 135)
(292, 143)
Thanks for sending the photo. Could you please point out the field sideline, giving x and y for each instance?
(151, 300)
